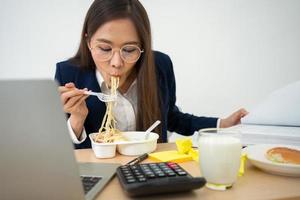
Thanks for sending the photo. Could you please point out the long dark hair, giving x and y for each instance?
(102, 11)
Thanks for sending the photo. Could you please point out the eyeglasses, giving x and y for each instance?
(129, 53)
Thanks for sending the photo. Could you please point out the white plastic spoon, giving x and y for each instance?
(154, 125)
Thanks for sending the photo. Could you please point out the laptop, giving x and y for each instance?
(36, 153)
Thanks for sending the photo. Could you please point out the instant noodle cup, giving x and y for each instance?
(103, 150)
(136, 143)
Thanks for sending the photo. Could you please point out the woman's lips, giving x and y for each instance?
(115, 73)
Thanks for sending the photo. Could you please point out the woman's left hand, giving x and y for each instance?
(233, 119)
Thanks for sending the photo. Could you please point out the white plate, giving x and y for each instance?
(256, 155)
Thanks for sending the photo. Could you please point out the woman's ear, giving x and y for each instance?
(88, 45)
(87, 40)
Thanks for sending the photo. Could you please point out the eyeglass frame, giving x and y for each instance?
(120, 51)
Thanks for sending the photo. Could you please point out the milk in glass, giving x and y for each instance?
(219, 156)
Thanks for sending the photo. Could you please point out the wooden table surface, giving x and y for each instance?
(255, 184)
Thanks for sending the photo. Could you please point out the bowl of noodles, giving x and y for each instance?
(136, 144)
(109, 138)
(103, 150)
(132, 143)
(103, 147)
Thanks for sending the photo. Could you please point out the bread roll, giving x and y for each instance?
(284, 155)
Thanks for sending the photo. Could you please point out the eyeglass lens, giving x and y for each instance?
(129, 53)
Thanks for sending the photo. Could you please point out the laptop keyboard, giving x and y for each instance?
(88, 182)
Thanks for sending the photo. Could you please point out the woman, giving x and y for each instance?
(116, 41)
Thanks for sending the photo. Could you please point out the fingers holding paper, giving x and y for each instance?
(233, 119)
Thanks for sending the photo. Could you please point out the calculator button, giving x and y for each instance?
(150, 175)
(133, 167)
(161, 164)
(171, 164)
(148, 172)
(171, 174)
(131, 180)
(142, 179)
(160, 174)
(176, 167)
(140, 176)
(178, 170)
(127, 174)
(129, 177)
(181, 173)
(157, 171)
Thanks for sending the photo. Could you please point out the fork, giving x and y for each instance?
(101, 96)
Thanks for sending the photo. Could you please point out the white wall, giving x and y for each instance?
(226, 54)
(35, 34)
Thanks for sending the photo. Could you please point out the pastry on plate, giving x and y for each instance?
(284, 155)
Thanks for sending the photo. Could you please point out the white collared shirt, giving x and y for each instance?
(124, 111)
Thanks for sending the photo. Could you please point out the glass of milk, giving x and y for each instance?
(219, 155)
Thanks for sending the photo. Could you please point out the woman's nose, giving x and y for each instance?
(116, 60)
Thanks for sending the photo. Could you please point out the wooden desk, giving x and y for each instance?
(255, 184)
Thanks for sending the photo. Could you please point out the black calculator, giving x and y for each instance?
(154, 178)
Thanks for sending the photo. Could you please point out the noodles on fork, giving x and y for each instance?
(108, 132)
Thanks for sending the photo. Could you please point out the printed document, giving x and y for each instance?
(276, 120)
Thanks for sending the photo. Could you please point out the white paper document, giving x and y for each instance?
(282, 107)
(265, 134)
(274, 121)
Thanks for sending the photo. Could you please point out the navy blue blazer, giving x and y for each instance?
(172, 119)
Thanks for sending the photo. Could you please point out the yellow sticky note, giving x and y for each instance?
(170, 156)
(195, 155)
(242, 165)
(184, 145)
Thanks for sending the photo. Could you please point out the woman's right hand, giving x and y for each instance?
(73, 100)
